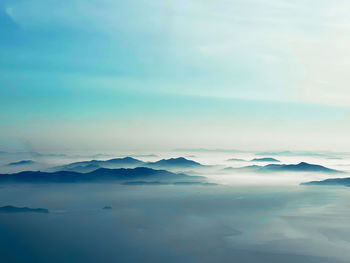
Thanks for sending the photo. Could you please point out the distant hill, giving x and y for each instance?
(23, 162)
(89, 166)
(127, 162)
(301, 167)
(334, 181)
(99, 175)
(14, 209)
(265, 160)
(174, 163)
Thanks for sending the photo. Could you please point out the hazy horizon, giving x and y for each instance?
(236, 114)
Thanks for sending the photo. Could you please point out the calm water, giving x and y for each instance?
(175, 224)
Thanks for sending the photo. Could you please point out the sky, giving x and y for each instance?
(152, 75)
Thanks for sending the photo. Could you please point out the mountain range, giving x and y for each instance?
(99, 175)
(301, 167)
(126, 162)
(333, 181)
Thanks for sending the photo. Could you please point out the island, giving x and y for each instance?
(14, 209)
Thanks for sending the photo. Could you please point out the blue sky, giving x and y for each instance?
(106, 75)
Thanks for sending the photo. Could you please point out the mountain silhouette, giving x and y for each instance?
(126, 162)
(333, 181)
(14, 209)
(99, 175)
(301, 167)
(23, 162)
(89, 166)
(180, 162)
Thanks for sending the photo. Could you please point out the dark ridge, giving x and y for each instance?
(126, 162)
(301, 167)
(333, 181)
(23, 162)
(174, 162)
(89, 166)
(99, 175)
(14, 209)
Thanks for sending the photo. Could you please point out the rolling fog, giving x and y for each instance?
(246, 218)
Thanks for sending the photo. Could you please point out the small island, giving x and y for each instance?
(14, 209)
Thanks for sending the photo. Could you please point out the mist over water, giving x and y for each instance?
(174, 131)
(245, 218)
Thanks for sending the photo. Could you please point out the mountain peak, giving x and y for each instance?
(180, 162)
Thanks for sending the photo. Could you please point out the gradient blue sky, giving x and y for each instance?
(147, 75)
